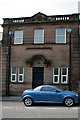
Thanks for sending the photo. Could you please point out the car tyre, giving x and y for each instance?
(28, 101)
(69, 102)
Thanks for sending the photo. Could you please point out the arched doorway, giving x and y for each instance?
(38, 67)
(38, 64)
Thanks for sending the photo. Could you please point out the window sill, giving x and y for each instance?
(60, 83)
(31, 43)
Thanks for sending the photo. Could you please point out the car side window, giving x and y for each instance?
(47, 89)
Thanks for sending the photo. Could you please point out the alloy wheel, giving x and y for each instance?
(28, 101)
(69, 102)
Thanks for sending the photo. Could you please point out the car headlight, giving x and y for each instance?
(77, 95)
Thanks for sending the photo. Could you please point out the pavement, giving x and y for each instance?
(15, 98)
(11, 98)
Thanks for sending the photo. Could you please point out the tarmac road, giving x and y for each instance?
(16, 109)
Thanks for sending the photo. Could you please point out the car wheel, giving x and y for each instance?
(28, 101)
(69, 102)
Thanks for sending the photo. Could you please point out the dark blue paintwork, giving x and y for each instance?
(56, 96)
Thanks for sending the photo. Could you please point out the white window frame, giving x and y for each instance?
(21, 75)
(79, 17)
(18, 37)
(56, 75)
(64, 76)
(12, 75)
(60, 36)
(38, 42)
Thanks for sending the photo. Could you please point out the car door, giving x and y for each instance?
(50, 94)
(37, 96)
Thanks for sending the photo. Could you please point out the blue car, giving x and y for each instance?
(49, 94)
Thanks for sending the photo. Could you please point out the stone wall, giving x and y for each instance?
(57, 53)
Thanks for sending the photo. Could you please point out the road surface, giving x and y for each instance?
(11, 109)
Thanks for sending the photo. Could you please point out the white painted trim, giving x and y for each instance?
(60, 36)
(56, 75)
(11, 76)
(65, 76)
(37, 42)
(21, 75)
(18, 37)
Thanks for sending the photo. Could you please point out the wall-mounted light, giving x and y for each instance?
(69, 30)
(10, 32)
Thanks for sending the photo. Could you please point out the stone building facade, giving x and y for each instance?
(0, 61)
(39, 52)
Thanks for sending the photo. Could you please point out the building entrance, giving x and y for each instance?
(38, 76)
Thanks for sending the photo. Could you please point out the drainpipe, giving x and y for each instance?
(69, 31)
(9, 58)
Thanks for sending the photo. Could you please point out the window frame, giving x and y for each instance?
(56, 75)
(18, 37)
(61, 36)
(64, 76)
(38, 37)
(21, 75)
(12, 75)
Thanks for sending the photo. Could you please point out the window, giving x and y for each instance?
(13, 74)
(48, 89)
(64, 75)
(60, 35)
(18, 37)
(1, 34)
(20, 74)
(39, 36)
(56, 72)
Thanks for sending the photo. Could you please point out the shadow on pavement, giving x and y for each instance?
(51, 105)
